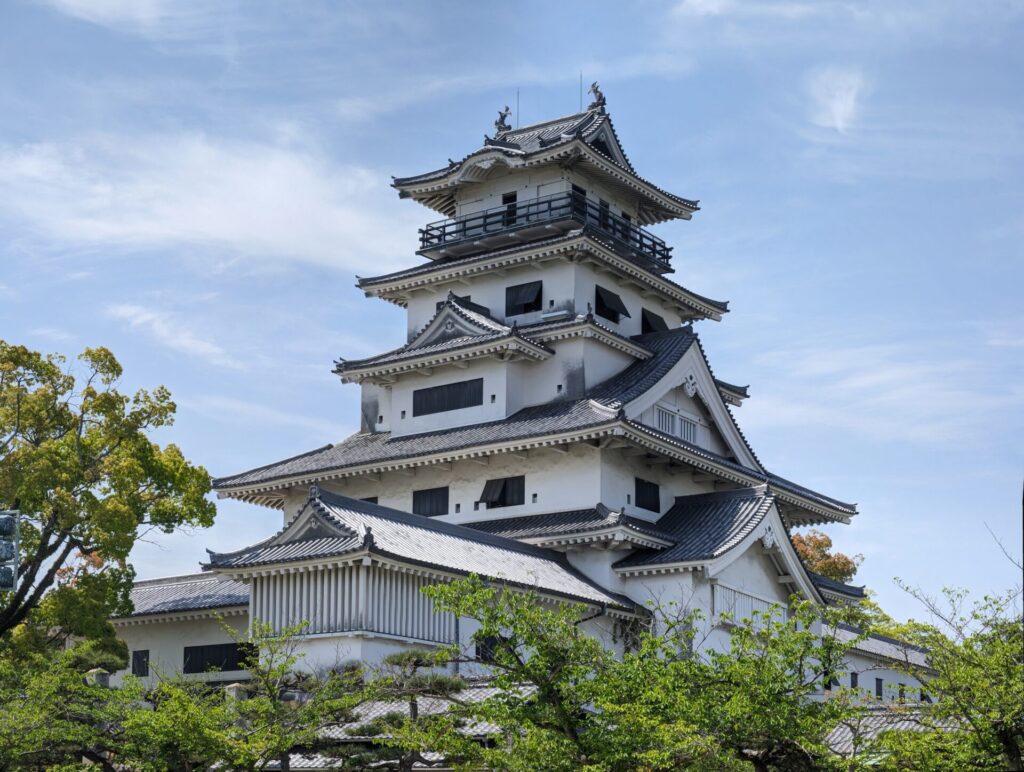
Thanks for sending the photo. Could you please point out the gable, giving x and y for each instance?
(691, 385)
(452, 322)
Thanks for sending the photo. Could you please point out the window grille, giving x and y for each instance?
(666, 420)
(219, 656)
(451, 396)
(430, 502)
(688, 429)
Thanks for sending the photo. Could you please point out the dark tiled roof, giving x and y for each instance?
(549, 418)
(541, 137)
(740, 390)
(856, 734)
(434, 265)
(840, 588)
(706, 526)
(423, 541)
(554, 524)
(187, 593)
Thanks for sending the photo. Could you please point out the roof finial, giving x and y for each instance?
(502, 123)
(598, 103)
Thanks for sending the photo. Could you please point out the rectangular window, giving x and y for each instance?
(509, 202)
(140, 663)
(218, 656)
(688, 430)
(853, 680)
(648, 495)
(879, 687)
(605, 211)
(523, 298)
(609, 305)
(451, 396)
(504, 492)
(430, 501)
(666, 420)
(651, 322)
(902, 693)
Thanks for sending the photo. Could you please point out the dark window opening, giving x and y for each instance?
(879, 687)
(504, 492)
(648, 495)
(651, 322)
(451, 396)
(523, 298)
(509, 201)
(853, 680)
(925, 697)
(604, 213)
(487, 647)
(902, 693)
(219, 656)
(579, 201)
(370, 499)
(430, 501)
(140, 663)
(608, 305)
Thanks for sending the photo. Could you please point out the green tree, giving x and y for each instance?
(975, 675)
(75, 458)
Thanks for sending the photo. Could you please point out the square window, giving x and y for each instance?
(651, 322)
(430, 502)
(523, 298)
(504, 492)
(608, 305)
(648, 495)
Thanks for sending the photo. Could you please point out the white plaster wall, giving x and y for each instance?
(495, 377)
(587, 278)
(488, 290)
(166, 642)
(754, 573)
(618, 474)
(561, 481)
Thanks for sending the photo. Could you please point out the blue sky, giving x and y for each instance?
(195, 185)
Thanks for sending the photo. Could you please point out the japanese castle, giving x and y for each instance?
(553, 423)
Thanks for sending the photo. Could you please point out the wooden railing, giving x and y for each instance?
(561, 206)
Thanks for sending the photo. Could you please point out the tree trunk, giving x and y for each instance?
(1011, 750)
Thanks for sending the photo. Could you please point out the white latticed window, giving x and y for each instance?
(688, 429)
(666, 420)
(741, 607)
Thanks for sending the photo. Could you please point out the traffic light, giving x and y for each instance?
(9, 558)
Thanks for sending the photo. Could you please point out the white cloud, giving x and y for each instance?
(884, 393)
(234, 198)
(168, 330)
(835, 97)
(156, 19)
(712, 8)
(52, 333)
(243, 412)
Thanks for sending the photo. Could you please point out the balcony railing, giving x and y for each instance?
(537, 218)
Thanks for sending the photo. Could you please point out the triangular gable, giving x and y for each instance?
(605, 141)
(453, 320)
(310, 523)
(693, 374)
(770, 537)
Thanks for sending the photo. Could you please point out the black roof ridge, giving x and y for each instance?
(751, 491)
(828, 581)
(167, 581)
(617, 516)
(296, 457)
(548, 122)
(732, 386)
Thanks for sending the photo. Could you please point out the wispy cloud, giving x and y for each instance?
(835, 95)
(54, 334)
(244, 412)
(168, 330)
(235, 198)
(884, 393)
(180, 20)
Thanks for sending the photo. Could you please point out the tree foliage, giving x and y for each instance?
(75, 458)
(815, 549)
